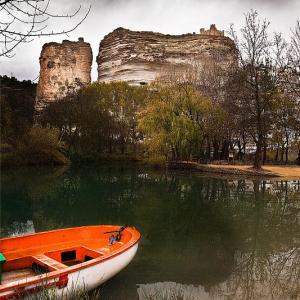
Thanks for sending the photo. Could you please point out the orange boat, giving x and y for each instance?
(79, 257)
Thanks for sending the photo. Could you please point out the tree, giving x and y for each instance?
(100, 119)
(17, 108)
(41, 146)
(209, 78)
(255, 81)
(294, 60)
(23, 20)
(286, 108)
(286, 122)
(177, 119)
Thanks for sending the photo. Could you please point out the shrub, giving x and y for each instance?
(39, 146)
(42, 146)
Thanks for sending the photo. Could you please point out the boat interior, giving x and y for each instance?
(55, 252)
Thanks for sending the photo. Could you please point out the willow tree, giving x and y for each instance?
(176, 120)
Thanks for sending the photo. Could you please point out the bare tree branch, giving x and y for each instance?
(24, 20)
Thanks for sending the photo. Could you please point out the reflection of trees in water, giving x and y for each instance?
(263, 276)
(18, 228)
(195, 229)
(22, 190)
(172, 290)
(268, 264)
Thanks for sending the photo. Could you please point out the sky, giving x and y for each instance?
(165, 16)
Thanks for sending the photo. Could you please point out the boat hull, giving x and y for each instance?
(84, 276)
(89, 278)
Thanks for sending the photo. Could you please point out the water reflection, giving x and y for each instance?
(229, 239)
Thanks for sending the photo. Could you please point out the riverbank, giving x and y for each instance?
(284, 172)
(55, 158)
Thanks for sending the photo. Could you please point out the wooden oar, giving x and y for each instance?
(119, 230)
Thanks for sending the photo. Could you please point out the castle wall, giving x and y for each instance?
(64, 67)
(139, 57)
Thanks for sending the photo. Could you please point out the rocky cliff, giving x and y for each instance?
(139, 57)
(64, 67)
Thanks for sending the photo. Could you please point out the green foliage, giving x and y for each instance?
(42, 146)
(40, 139)
(17, 107)
(38, 146)
(176, 120)
(99, 119)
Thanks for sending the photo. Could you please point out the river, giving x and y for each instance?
(203, 237)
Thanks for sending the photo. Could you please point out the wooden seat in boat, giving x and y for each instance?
(49, 262)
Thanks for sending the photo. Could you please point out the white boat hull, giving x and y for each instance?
(90, 278)
(85, 279)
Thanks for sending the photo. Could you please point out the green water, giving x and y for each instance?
(203, 238)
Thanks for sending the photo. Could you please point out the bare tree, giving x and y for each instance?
(295, 47)
(21, 21)
(256, 82)
(294, 59)
(286, 110)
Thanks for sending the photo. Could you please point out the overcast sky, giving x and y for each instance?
(166, 16)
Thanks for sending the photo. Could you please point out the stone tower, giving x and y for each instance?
(64, 67)
(139, 57)
(212, 31)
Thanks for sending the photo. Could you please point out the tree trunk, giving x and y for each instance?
(299, 157)
(286, 155)
(173, 152)
(244, 151)
(240, 154)
(264, 152)
(287, 149)
(225, 151)
(216, 150)
(208, 150)
(277, 152)
(176, 153)
(282, 152)
(257, 158)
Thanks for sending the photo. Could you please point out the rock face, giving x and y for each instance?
(64, 67)
(139, 57)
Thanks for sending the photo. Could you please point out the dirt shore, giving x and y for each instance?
(284, 172)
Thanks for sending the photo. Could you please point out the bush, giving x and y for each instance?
(40, 146)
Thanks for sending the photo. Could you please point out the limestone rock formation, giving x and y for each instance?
(64, 67)
(139, 57)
